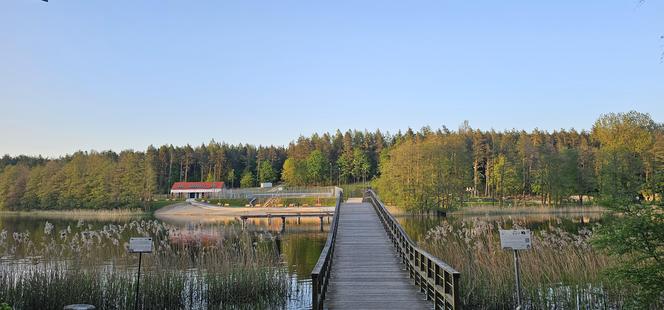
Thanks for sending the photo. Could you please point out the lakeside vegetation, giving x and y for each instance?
(50, 269)
(561, 271)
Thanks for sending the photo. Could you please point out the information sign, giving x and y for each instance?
(515, 239)
(140, 245)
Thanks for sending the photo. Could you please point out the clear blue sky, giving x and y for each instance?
(83, 74)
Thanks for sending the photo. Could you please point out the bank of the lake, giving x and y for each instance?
(562, 271)
(268, 268)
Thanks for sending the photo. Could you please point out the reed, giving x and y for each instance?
(561, 271)
(233, 270)
(517, 209)
(101, 215)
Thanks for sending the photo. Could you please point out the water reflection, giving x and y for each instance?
(417, 226)
(299, 242)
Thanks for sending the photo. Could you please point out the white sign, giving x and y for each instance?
(516, 239)
(140, 245)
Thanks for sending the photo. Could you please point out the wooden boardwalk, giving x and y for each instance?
(367, 273)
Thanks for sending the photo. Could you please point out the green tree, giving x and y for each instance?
(345, 163)
(231, 177)
(361, 165)
(13, 184)
(504, 178)
(317, 167)
(266, 173)
(294, 172)
(626, 140)
(247, 180)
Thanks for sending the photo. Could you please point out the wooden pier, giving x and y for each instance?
(283, 216)
(369, 262)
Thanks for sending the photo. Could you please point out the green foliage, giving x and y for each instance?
(626, 141)
(231, 202)
(345, 164)
(504, 177)
(426, 174)
(637, 237)
(266, 173)
(294, 172)
(156, 205)
(622, 159)
(317, 167)
(631, 130)
(361, 165)
(231, 177)
(247, 180)
(630, 161)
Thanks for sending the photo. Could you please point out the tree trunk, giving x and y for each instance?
(476, 177)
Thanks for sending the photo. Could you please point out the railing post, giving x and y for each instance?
(455, 291)
(315, 288)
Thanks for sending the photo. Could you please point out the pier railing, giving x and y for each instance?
(320, 276)
(436, 279)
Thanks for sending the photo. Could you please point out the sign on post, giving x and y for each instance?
(140, 245)
(515, 239)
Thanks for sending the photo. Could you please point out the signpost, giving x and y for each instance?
(516, 239)
(139, 245)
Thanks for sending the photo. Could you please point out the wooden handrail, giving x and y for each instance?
(436, 279)
(320, 275)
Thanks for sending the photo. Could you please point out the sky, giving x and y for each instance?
(88, 74)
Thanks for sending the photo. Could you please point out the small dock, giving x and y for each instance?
(283, 216)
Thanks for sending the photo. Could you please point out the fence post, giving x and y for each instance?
(315, 287)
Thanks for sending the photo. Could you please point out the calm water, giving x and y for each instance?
(299, 244)
(417, 227)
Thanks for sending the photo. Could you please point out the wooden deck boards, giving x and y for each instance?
(366, 273)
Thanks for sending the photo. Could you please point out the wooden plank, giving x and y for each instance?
(366, 273)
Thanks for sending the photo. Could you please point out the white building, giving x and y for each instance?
(196, 189)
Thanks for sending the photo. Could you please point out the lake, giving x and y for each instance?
(299, 245)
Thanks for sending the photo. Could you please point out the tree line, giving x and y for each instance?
(130, 179)
(620, 159)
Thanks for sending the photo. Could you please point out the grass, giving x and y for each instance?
(285, 202)
(229, 202)
(495, 209)
(93, 214)
(85, 214)
(234, 270)
(560, 272)
(156, 205)
(310, 201)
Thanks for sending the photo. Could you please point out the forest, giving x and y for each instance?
(620, 160)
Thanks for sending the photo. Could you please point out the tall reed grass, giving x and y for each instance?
(235, 269)
(561, 271)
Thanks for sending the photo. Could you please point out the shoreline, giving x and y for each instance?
(200, 209)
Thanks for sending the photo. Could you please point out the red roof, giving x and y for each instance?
(197, 185)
